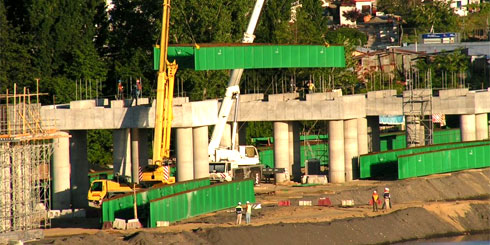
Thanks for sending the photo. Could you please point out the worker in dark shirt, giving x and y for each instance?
(239, 211)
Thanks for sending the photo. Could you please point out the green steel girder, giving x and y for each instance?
(253, 56)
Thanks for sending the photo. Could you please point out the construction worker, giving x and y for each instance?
(139, 87)
(387, 197)
(375, 199)
(239, 211)
(248, 213)
(311, 87)
(120, 90)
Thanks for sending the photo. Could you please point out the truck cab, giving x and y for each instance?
(102, 189)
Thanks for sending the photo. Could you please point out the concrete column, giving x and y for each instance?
(290, 148)
(350, 149)
(143, 146)
(60, 172)
(297, 153)
(481, 121)
(121, 154)
(185, 170)
(468, 129)
(373, 133)
(79, 168)
(226, 138)
(135, 154)
(281, 148)
(201, 158)
(336, 152)
(242, 133)
(362, 136)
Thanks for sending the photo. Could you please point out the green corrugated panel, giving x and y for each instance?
(267, 158)
(122, 206)
(447, 136)
(384, 163)
(316, 151)
(201, 201)
(254, 57)
(444, 161)
(268, 56)
(184, 56)
(108, 174)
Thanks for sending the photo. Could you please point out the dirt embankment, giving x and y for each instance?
(439, 205)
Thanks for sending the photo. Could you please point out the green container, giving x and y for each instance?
(385, 163)
(122, 206)
(201, 201)
(316, 151)
(254, 56)
(105, 174)
(444, 161)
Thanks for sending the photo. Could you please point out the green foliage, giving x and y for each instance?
(447, 69)
(99, 144)
(437, 16)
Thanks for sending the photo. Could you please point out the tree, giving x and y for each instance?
(353, 15)
(15, 60)
(434, 16)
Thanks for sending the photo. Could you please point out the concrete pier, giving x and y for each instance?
(350, 148)
(281, 148)
(185, 169)
(336, 172)
(468, 129)
(135, 154)
(79, 168)
(226, 138)
(121, 155)
(242, 133)
(201, 158)
(373, 133)
(362, 136)
(481, 121)
(60, 172)
(294, 137)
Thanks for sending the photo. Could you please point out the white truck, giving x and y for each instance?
(237, 162)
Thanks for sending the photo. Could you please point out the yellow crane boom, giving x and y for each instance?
(165, 88)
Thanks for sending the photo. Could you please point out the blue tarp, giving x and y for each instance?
(391, 120)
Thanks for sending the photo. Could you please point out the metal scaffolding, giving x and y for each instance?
(25, 152)
(417, 110)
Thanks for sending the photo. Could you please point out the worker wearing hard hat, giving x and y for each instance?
(387, 197)
(248, 213)
(239, 211)
(374, 199)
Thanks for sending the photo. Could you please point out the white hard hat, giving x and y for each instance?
(386, 189)
(248, 202)
(374, 191)
(239, 203)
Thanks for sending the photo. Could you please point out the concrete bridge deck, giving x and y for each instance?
(99, 114)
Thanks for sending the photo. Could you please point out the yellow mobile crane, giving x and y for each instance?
(159, 170)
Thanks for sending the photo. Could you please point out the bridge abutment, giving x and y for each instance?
(79, 168)
(336, 166)
(481, 121)
(350, 148)
(60, 171)
(281, 149)
(468, 127)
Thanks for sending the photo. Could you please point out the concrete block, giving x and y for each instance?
(179, 101)
(102, 102)
(79, 213)
(54, 214)
(283, 97)
(119, 224)
(453, 92)
(304, 203)
(66, 213)
(82, 104)
(315, 179)
(348, 203)
(133, 224)
(251, 97)
(163, 223)
(117, 103)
